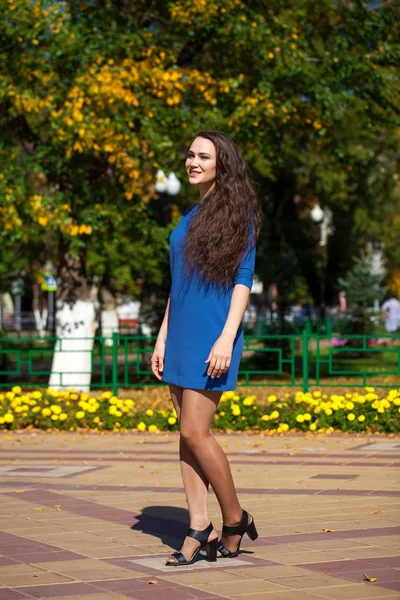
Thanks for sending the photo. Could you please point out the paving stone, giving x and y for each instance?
(116, 526)
(355, 591)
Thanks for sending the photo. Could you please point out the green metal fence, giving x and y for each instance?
(301, 361)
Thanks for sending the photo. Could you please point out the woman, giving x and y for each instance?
(200, 341)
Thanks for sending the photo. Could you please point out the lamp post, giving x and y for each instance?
(167, 188)
(323, 217)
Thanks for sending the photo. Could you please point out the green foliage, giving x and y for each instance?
(96, 96)
(362, 288)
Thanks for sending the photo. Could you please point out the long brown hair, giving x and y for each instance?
(228, 220)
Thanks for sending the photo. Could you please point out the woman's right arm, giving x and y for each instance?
(157, 359)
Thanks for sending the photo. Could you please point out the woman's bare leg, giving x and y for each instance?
(197, 411)
(195, 484)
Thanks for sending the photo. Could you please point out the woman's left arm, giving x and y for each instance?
(219, 358)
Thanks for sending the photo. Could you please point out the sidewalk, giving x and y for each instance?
(95, 516)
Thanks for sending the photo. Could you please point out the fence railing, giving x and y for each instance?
(304, 360)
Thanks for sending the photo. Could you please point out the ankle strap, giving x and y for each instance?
(237, 529)
(200, 536)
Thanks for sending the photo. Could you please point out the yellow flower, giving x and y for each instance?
(152, 428)
(248, 401)
(274, 415)
(317, 394)
(361, 418)
(36, 409)
(129, 403)
(349, 405)
(369, 389)
(112, 410)
(351, 417)
(63, 416)
(284, 426)
(57, 410)
(46, 412)
(37, 395)
(96, 420)
(149, 412)
(171, 421)
(328, 412)
(229, 395)
(79, 415)
(313, 426)
(16, 389)
(300, 418)
(265, 418)
(272, 398)
(236, 397)
(8, 418)
(54, 417)
(141, 426)
(236, 410)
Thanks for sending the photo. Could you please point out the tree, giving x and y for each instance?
(96, 96)
(362, 288)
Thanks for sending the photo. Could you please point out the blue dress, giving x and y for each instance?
(196, 319)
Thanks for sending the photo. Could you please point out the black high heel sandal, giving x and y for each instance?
(243, 527)
(202, 537)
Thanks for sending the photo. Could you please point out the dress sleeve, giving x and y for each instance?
(245, 272)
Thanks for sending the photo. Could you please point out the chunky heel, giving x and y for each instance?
(252, 531)
(212, 548)
(243, 527)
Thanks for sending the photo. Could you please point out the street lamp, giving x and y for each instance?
(166, 187)
(323, 217)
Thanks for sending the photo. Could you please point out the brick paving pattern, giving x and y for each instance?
(96, 515)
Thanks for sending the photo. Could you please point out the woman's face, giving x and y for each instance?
(201, 162)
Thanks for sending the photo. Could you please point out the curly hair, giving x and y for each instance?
(229, 218)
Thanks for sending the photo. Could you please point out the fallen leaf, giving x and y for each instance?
(152, 581)
(28, 518)
(19, 491)
(296, 531)
(39, 508)
(368, 578)
(375, 512)
(328, 530)
(163, 551)
(57, 506)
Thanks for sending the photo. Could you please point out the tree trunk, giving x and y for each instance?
(75, 324)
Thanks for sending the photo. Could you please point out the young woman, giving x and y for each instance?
(199, 345)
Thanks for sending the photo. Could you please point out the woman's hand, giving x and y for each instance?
(220, 356)
(157, 359)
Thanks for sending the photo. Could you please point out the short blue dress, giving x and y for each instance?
(197, 317)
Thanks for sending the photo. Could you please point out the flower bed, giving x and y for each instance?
(68, 410)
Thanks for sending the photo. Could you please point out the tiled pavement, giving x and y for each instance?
(95, 515)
